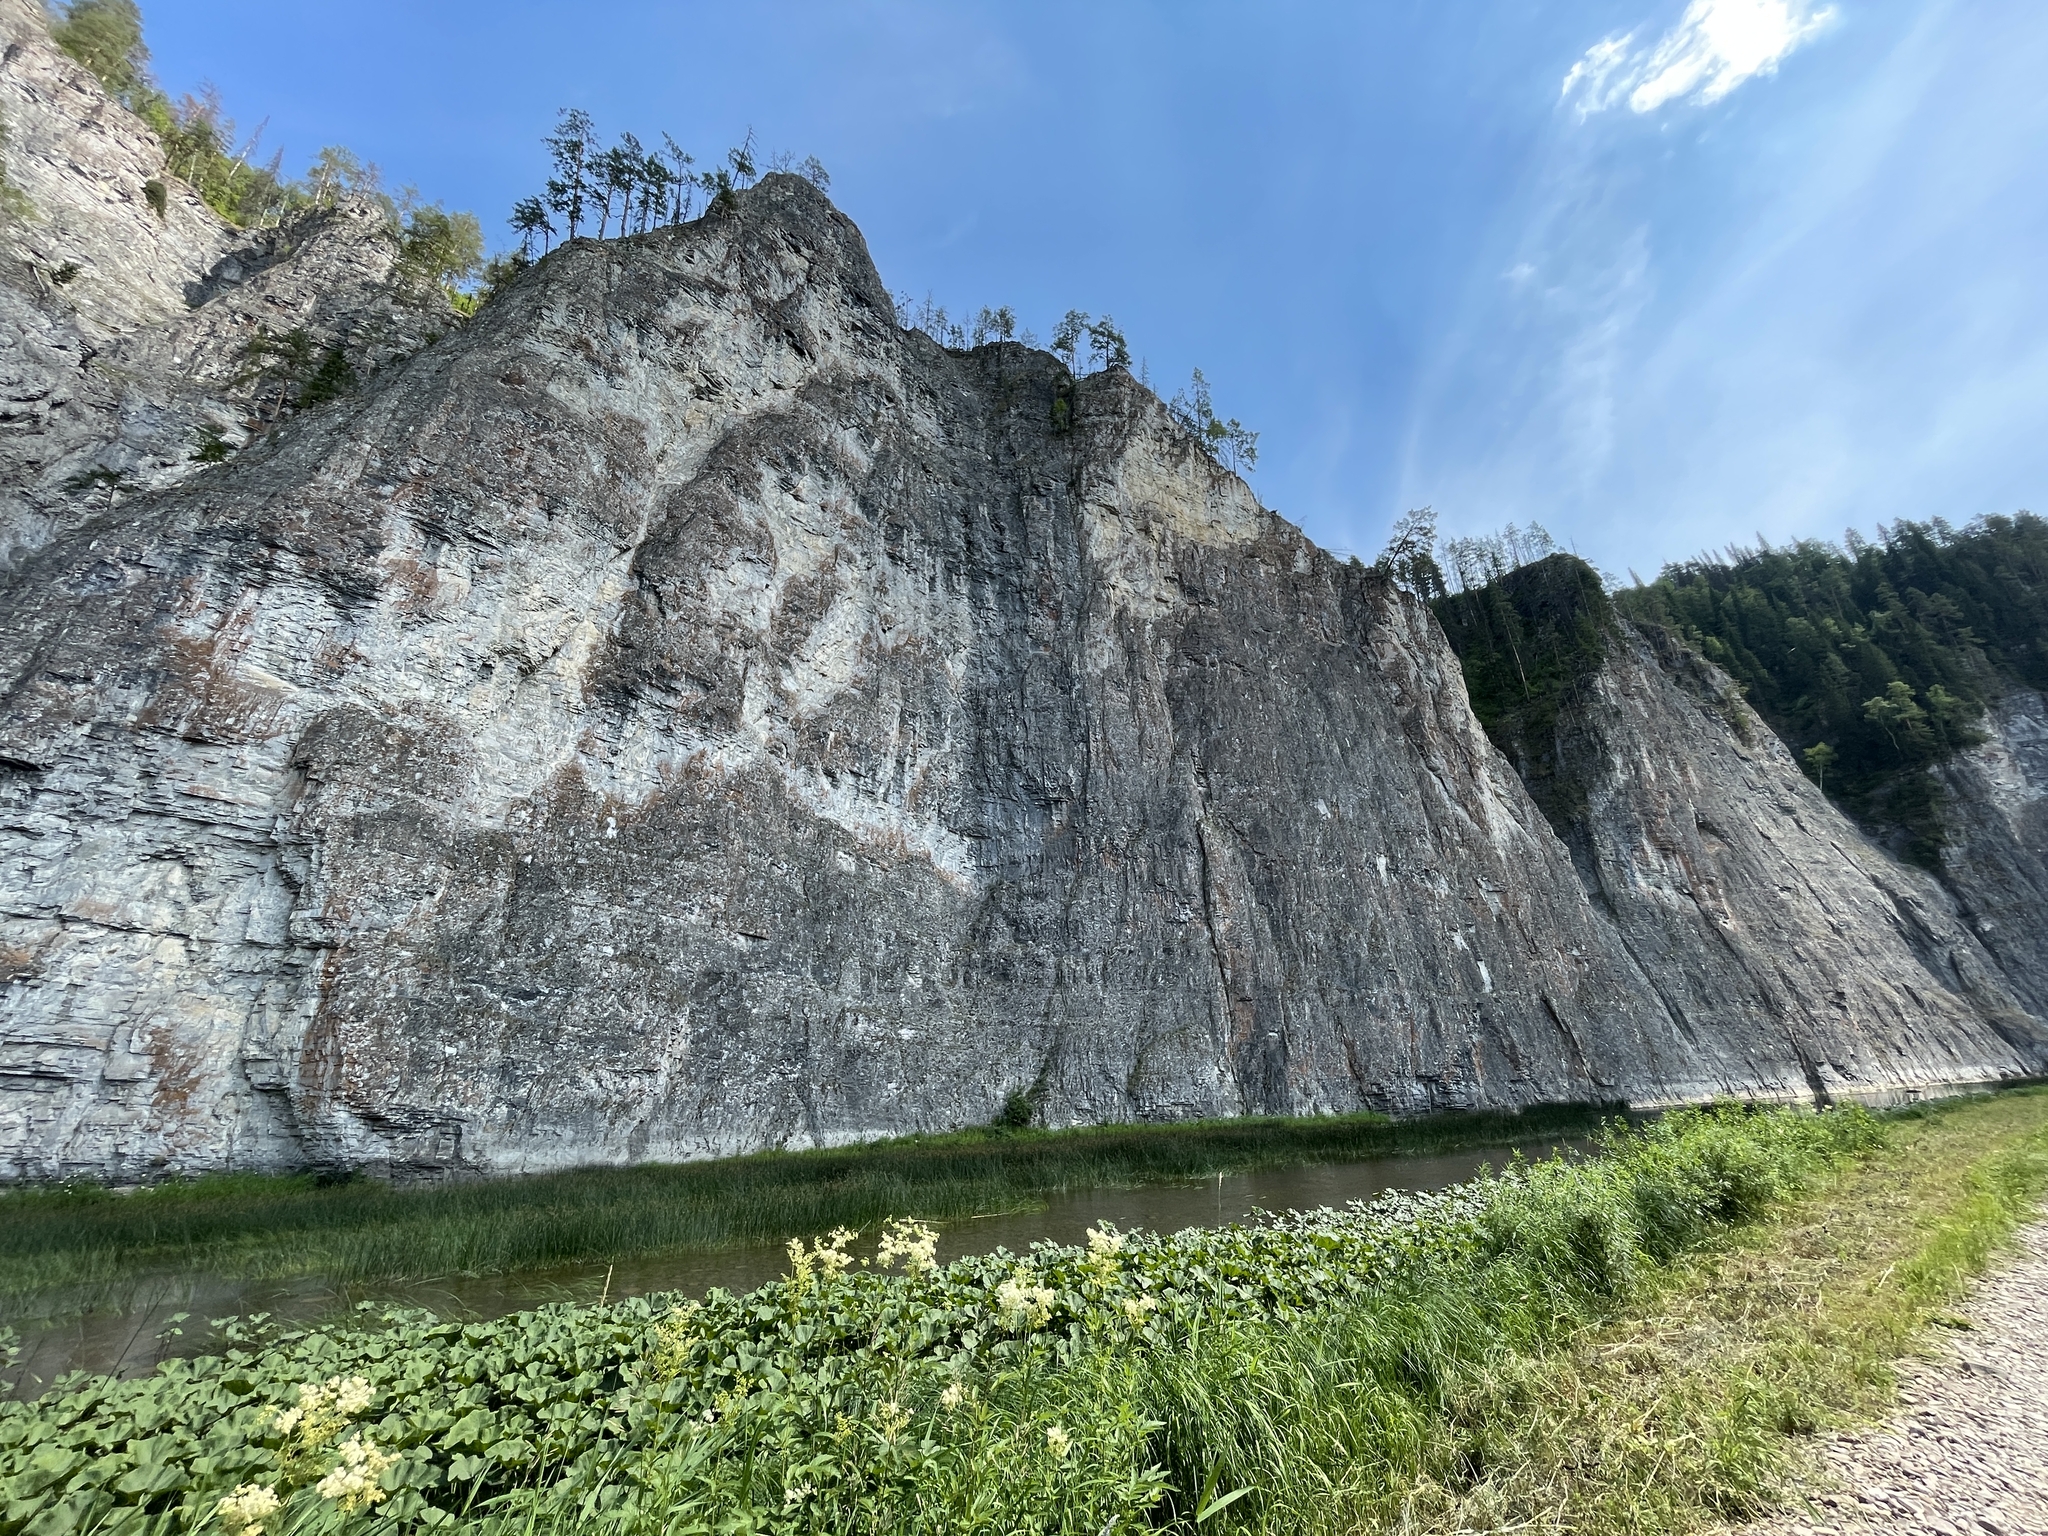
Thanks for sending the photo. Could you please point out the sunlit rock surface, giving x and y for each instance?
(1764, 920)
(127, 336)
(684, 712)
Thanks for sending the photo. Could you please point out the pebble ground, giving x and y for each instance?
(1967, 1452)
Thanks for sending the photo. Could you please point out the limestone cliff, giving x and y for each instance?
(683, 711)
(129, 332)
(1995, 856)
(1764, 919)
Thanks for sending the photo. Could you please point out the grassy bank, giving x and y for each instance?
(1331, 1371)
(1700, 1400)
(1642, 1342)
(248, 1226)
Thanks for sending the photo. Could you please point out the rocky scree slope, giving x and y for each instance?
(127, 333)
(684, 712)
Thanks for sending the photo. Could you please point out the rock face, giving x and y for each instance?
(1763, 918)
(1996, 854)
(128, 333)
(684, 712)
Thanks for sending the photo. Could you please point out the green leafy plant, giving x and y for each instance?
(1136, 1381)
(335, 377)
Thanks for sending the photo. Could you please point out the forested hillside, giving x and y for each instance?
(1871, 660)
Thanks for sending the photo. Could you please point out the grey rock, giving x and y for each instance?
(1766, 922)
(683, 712)
(125, 333)
(1995, 855)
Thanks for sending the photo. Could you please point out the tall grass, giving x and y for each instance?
(1628, 1343)
(256, 1227)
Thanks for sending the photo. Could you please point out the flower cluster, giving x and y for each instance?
(827, 1257)
(243, 1511)
(1105, 1248)
(353, 1482)
(916, 1244)
(323, 1411)
(1021, 1305)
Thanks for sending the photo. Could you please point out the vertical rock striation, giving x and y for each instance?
(684, 712)
(1995, 857)
(1770, 927)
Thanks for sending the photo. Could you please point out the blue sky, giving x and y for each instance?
(1659, 274)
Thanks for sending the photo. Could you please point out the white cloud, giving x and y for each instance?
(1716, 45)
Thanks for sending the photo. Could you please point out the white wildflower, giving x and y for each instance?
(244, 1511)
(1021, 1305)
(1058, 1441)
(794, 1495)
(323, 1411)
(911, 1241)
(827, 1257)
(1137, 1307)
(955, 1395)
(353, 1482)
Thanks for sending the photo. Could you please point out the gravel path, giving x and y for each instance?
(1967, 1452)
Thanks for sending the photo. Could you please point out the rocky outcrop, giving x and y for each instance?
(1766, 922)
(1995, 850)
(683, 711)
(129, 333)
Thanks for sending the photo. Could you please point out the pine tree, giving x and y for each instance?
(530, 218)
(1106, 345)
(682, 185)
(572, 146)
(742, 162)
(1066, 338)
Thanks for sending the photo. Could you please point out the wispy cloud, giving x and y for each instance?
(1716, 45)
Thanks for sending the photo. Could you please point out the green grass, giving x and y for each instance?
(1703, 1400)
(1307, 1370)
(1647, 1341)
(258, 1227)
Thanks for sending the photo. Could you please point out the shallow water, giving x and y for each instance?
(131, 1338)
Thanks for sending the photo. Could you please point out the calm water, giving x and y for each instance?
(132, 1338)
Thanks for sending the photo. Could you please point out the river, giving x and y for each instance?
(131, 1337)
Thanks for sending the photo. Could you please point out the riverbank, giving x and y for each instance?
(1704, 1401)
(1643, 1341)
(1967, 1448)
(242, 1226)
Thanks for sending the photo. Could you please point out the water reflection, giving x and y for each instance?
(133, 1337)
